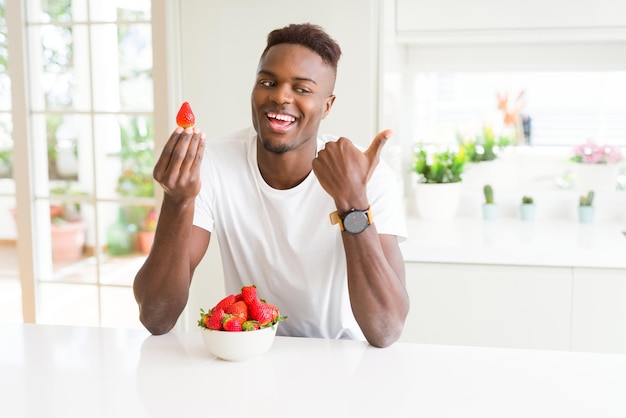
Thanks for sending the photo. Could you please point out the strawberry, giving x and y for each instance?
(214, 320)
(231, 323)
(238, 309)
(225, 303)
(249, 294)
(261, 312)
(185, 117)
(204, 317)
(250, 326)
(274, 310)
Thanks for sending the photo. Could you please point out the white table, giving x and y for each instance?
(57, 371)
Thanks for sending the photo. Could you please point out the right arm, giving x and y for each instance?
(161, 286)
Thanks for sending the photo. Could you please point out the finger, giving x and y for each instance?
(375, 148)
(178, 153)
(193, 157)
(164, 159)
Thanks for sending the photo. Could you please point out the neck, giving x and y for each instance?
(287, 170)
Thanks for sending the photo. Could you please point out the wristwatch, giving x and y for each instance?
(354, 222)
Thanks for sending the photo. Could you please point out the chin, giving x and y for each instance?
(276, 148)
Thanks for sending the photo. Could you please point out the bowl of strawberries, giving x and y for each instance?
(240, 326)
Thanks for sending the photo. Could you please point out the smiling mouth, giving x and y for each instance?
(280, 121)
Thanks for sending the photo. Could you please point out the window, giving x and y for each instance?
(573, 90)
(86, 81)
(563, 108)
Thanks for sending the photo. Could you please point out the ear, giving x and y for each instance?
(328, 105)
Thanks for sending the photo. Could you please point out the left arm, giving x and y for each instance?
(376, 276)
(376, 282)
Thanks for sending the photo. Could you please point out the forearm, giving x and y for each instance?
(376, 284)
(161, 286)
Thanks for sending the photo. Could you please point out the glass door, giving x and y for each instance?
(88, 101)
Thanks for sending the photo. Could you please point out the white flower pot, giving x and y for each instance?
(597, 177)
(585, 214)
(490, 211)
(527, 211)
(437, 201)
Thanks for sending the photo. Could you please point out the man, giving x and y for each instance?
(266, 193)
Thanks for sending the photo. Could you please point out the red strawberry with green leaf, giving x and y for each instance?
(214, 320)
(225, 303)
(239, 309)
(249, 294)
(204, 317)
(231, 323)
(250, 326)
(185, 117)
(261, 312)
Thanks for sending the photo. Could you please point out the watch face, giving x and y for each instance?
(356, 222)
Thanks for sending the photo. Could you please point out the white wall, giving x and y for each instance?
(222, 43)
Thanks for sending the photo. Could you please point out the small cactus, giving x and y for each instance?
(587, 200)
(488, 190)
(527, 200)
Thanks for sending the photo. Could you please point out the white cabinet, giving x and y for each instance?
(488, 305)
(551, 308)
(599, 310)
(415, 15)
(497, 21)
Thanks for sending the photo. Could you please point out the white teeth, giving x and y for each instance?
(282, 117)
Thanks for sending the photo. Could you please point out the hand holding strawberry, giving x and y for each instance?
(241, 312)
(178, 168)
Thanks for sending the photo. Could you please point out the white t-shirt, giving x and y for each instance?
(282, 241)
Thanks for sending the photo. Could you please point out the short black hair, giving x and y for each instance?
(310, 36)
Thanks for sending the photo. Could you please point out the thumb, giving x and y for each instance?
(375, 148)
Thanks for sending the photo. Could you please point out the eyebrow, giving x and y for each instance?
(271, 74)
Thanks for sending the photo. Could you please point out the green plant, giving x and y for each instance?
(488, 191)
(527, 200)
(137, 158)
(438, 167)
(6, 164)
(587, 200)
(483, 147)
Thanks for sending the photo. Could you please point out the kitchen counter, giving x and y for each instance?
(553, 243)
(61, 371)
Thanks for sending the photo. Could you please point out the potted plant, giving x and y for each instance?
(585, 208)
(67, 227)
(527, 208)
(483, 147)
(596, 166)
(438, 187)
(145, 236)
(490, 208)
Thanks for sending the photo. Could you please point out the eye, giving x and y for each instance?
(267, 83)
(302, 90)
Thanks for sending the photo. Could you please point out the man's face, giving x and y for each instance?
(291, 96)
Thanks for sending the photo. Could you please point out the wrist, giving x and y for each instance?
(349, 205)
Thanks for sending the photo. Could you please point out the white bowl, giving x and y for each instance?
(238, 346)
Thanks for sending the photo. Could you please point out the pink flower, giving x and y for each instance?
(591, 153)
(612, 155)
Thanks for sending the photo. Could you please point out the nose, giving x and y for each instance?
(282, 94)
